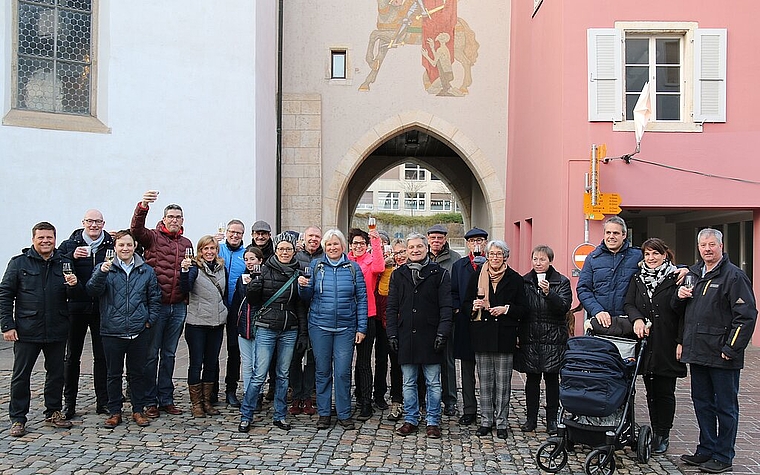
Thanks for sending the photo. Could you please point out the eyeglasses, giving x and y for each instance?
(399, 253)
(284, 249)
(359, 243)
(234, 233)
(90, 222)
(172, 217)
(495, 254)
(476, 240)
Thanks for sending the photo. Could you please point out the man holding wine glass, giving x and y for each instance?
(164, 250)
(87, 248)
(719, 319)
(34, 315)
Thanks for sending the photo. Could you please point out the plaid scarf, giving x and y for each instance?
(651, 278)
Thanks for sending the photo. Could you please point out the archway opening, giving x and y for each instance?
(422, 147)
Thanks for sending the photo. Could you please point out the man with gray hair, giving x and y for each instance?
(606, 273)
(418, 322)
(719, 319)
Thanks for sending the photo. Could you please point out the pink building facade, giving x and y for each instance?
(576, 71)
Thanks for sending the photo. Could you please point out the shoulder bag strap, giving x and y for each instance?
(279, 292)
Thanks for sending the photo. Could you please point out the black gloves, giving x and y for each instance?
(393, 344)
(302, 343)
(440, 342)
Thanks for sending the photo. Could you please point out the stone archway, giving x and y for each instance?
(335, 210)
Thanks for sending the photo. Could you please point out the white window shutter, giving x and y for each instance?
(710, 75)
(605, 66)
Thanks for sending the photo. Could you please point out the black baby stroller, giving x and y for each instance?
(597, 390)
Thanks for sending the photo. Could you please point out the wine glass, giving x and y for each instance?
(110, 254)
(477, 250)
(306, 271)
(67, 268)
(689, 281)
(189, 252)
(371, 223)
(481, 294)
(256, 269)
(221, 228)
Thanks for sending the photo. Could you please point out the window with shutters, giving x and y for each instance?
(684, 65)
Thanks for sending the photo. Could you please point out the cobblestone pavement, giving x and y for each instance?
(181, 444)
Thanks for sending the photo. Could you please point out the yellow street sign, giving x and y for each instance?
(607, 203)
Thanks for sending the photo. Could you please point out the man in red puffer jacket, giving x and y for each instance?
(165, 248)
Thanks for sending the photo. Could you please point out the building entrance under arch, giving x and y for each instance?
(423, 152)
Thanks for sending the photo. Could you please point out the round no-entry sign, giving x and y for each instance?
(580, 253)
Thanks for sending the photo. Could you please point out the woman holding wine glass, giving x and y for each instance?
(204, 278)
(496, 301)
(647, 305)
(543, 336)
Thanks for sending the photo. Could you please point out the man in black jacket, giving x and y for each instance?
(418, 322)
(719, 319)
(87, 248)
(34, 315)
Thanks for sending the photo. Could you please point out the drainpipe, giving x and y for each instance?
(278, 204)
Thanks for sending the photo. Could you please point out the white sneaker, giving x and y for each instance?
(397, 410)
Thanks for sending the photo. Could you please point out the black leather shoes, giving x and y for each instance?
(530, 425)
(483, 431)
(467, 419)
(366, 413)
(551, 427)
(69, 412)
(502, 433)
(696, 459)
(244, 426)
(450, 411)
(282, 425)
(232, 399)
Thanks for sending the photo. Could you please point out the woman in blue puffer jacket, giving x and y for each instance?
(337, 321)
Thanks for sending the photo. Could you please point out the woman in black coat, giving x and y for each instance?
(496, 302)
(543, 336)
(648, 307)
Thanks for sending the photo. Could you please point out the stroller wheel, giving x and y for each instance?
(600, 462)
(644, 447)
(551, 456)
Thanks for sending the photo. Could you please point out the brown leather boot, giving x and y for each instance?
(196, 399)
(208, 389)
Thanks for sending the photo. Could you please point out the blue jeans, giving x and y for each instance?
(333, 354)
(432, 374)
(247, 360)
(166, 333)
(714, 392)
(267, 341)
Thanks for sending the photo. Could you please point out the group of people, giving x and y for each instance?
(297, 307)
(702, 315)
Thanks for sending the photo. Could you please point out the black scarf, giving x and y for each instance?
(651, 278)
(416, 267)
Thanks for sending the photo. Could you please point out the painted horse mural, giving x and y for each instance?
(443, 36)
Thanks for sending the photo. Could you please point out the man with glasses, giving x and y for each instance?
(232, 250)
(86, 248)
(440, 252)
(461, 272)
(262, 238)
(165, 248)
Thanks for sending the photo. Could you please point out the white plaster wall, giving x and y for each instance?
(187, 88)
(312, 28)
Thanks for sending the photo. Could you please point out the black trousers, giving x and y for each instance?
(25, 355)
(233, 354)
(661, 400)
(72, 365)
(203, 346)
(135, 351)
(533, 393)
(364, 364)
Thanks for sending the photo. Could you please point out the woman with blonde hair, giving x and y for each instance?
(204, 278)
